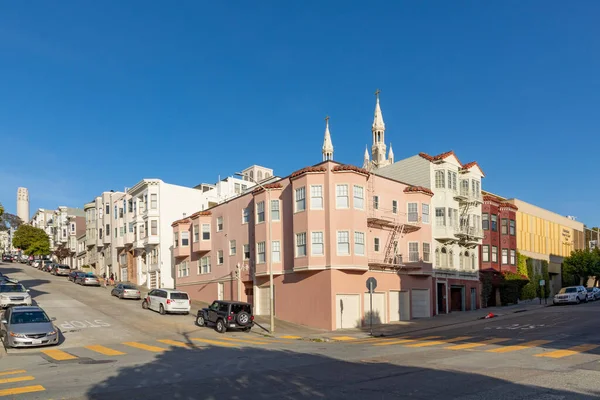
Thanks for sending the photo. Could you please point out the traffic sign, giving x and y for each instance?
(542, 282)
(371, 284)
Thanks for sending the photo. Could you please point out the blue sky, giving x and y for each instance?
(98, 95)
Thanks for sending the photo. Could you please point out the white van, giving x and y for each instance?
(168, 301)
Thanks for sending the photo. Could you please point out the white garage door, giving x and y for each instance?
(399, 306)
(420, 303)
(347, 311)
(264, 303)
(379, 315)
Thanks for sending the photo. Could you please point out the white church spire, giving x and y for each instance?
(391, 154)
(327, 144)
(366, 161)
(378, 150)
(378, 124)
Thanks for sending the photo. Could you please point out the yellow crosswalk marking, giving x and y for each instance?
(436, 342)
(249, 341)
(214, 342)
(343, 338)
(518, 347)
(21, 390)
(467, 346)
(104, 350)
(13, 372)
(146, 347)
(402, 341)
(59, 355)
(568, 352)
(290, 337)
(175, 343)
(16, 379)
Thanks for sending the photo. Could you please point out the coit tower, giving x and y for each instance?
(23, 204)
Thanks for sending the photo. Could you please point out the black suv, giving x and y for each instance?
(227, 315)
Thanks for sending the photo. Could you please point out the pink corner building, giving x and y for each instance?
(324, 230)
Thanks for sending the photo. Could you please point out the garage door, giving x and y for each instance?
(379, 315)
(420, 303)
(264, 302)
(347, 311)
(399, 306)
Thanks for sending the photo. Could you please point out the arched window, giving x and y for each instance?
(259, 175)
(267, 175)
(444, 258)
(451, 259)
(252, 175)
(467, 259)
(437, 257)
(460, 260)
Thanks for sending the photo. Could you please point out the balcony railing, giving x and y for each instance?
(470, 231)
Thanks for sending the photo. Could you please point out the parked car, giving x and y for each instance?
(87, 279)
(227, 315)
(6, 258)
(593, 293)
(74, 274)
(14, 294)
(60, 270)
(571, 294)
(25, 326)
(167, 301)
(125, 291)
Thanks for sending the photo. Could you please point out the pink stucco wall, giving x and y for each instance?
(312, 280)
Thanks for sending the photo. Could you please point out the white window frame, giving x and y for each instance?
(376, 245)
(426, 254)
(153, 201)
(232, 247)
(440, 220)
(246, 250)
(317, 243)
(204, 266)
(485, 253)
(358, 197)
(300, 244)
(300, 199)
(504, 253)
(260, 212)
(196, 233)
(410, 213)
(245, 215)
(261, 250)
(394, 206)
(275, 251)
(185, 235)
(219, 224)
(425, 213)
(205, 231)
(275, 211)
(337, 241)
(413, 252)
(440, 178)
(316, 197)
(494, 259)
(513, 257)
(342, 195)
(220, 257)
(359, 243)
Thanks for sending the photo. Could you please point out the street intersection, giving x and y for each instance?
(113, 349)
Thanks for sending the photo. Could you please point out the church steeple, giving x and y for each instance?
(391, 155)
(378, 150)
(366, 161)
(327, 144)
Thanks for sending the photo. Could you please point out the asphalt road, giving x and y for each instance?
(113, 349)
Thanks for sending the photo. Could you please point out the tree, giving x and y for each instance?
(8, 220)
(62, 252)
(33, 241)
(583, 264)
(1, 210)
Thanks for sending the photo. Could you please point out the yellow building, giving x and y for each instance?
(545, 235)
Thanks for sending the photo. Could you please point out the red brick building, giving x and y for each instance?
(498, 251)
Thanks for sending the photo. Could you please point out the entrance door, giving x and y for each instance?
(441, 298)
(473, 299)
(456, 298)
(220, 290)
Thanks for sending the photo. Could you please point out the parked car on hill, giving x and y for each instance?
(227, 315)
(25, 326)
(571, 294)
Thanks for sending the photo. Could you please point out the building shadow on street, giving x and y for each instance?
(258, 373)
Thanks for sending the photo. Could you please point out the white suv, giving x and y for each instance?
(167, 301)
(571, 294)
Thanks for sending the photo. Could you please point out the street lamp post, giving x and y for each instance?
(268, 255)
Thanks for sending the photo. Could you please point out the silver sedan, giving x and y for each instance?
(125, 291)
(24, 326)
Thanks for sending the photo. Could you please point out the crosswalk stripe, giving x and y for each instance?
(21, 390)
(467, 346)
(214, 342)
(104, 350)
(436, 342)
(251, 341)
(16, 379)
(389, 343)
(59, 355)
(175, 343)
(344, 338)
(518, 347)
(568, 352)
(13, 372)
(146, 347)
(290, 337)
